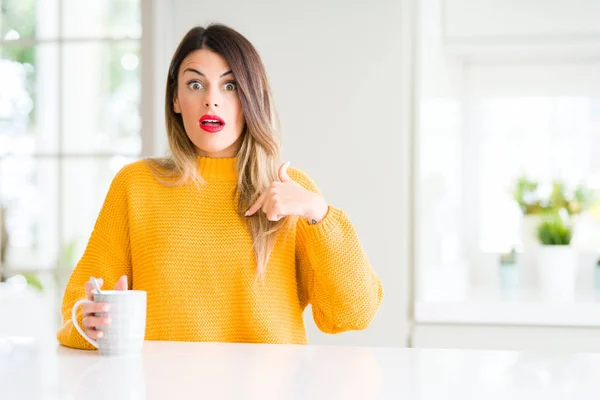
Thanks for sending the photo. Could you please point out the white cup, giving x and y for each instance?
(125, 333)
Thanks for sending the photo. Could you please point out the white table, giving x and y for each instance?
(175, 370)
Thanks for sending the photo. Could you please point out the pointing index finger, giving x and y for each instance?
(256, 206)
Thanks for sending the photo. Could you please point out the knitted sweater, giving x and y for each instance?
(192, 253)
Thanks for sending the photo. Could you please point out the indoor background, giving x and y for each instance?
(450, 131)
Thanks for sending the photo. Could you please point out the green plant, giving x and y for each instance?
(33, 281)
(554, 232)
(573, 201)
(530, 201)
(525, 194)
(583, 198)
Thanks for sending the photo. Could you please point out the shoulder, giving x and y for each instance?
(134, 169)
(133, 173)
(302, 179)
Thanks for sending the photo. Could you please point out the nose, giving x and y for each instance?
(212, 98)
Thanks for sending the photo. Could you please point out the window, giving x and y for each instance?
(69, 120)
(498, 123)
(545, 138)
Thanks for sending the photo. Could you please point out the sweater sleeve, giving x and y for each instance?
(107, 255)
(334, 274)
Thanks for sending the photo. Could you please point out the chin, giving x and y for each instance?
(215, 144)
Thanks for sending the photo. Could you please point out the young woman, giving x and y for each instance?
(230, 244)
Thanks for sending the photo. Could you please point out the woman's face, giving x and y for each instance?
(208, 101)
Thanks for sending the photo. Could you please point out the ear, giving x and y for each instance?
(176, 106)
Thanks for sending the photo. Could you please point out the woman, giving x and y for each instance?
(230, 245)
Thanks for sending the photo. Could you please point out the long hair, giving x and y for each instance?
(258, 158)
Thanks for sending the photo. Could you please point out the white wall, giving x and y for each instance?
(340, 73)
(517, 20)
(521, 30)
(441, 170)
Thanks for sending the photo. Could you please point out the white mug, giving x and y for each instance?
(125, 333)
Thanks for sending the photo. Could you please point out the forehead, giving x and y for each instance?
(206, 61)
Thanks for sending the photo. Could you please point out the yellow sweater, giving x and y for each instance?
(192, 253)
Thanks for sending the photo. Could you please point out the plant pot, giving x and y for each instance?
(557, 272)
(529, 245)
(529, 225)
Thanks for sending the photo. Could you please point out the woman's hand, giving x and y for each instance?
(286, 198)
(90, 321)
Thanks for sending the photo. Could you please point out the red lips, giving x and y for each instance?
(211, 123)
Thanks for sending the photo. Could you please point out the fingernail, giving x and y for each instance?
(105, 308)
(108, 320)
(100, 335)
(247, 212)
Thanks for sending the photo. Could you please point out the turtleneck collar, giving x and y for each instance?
(217, 168)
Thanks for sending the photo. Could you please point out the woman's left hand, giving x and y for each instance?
(287, 197)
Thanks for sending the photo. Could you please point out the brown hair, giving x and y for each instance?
(259, 155)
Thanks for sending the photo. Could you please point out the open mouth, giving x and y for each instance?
(211, 123)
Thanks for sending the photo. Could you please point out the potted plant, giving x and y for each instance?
(526, 194)
(535, 206)
(557, 260)
(573, 201)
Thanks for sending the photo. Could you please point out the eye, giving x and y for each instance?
(195, 85)
(230, 86)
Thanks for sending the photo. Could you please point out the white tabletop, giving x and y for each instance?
(175, 370)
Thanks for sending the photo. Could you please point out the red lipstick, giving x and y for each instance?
(211, 123)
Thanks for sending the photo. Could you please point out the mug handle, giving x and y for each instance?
(76, 324)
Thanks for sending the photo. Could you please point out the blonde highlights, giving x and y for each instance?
(258, 158)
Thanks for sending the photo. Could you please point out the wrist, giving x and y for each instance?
(317, 211)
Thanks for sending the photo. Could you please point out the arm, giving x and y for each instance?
(107, 255)
(334, 274)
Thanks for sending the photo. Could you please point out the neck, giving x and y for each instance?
(228, 152)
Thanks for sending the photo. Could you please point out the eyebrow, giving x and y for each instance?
(201, 74)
